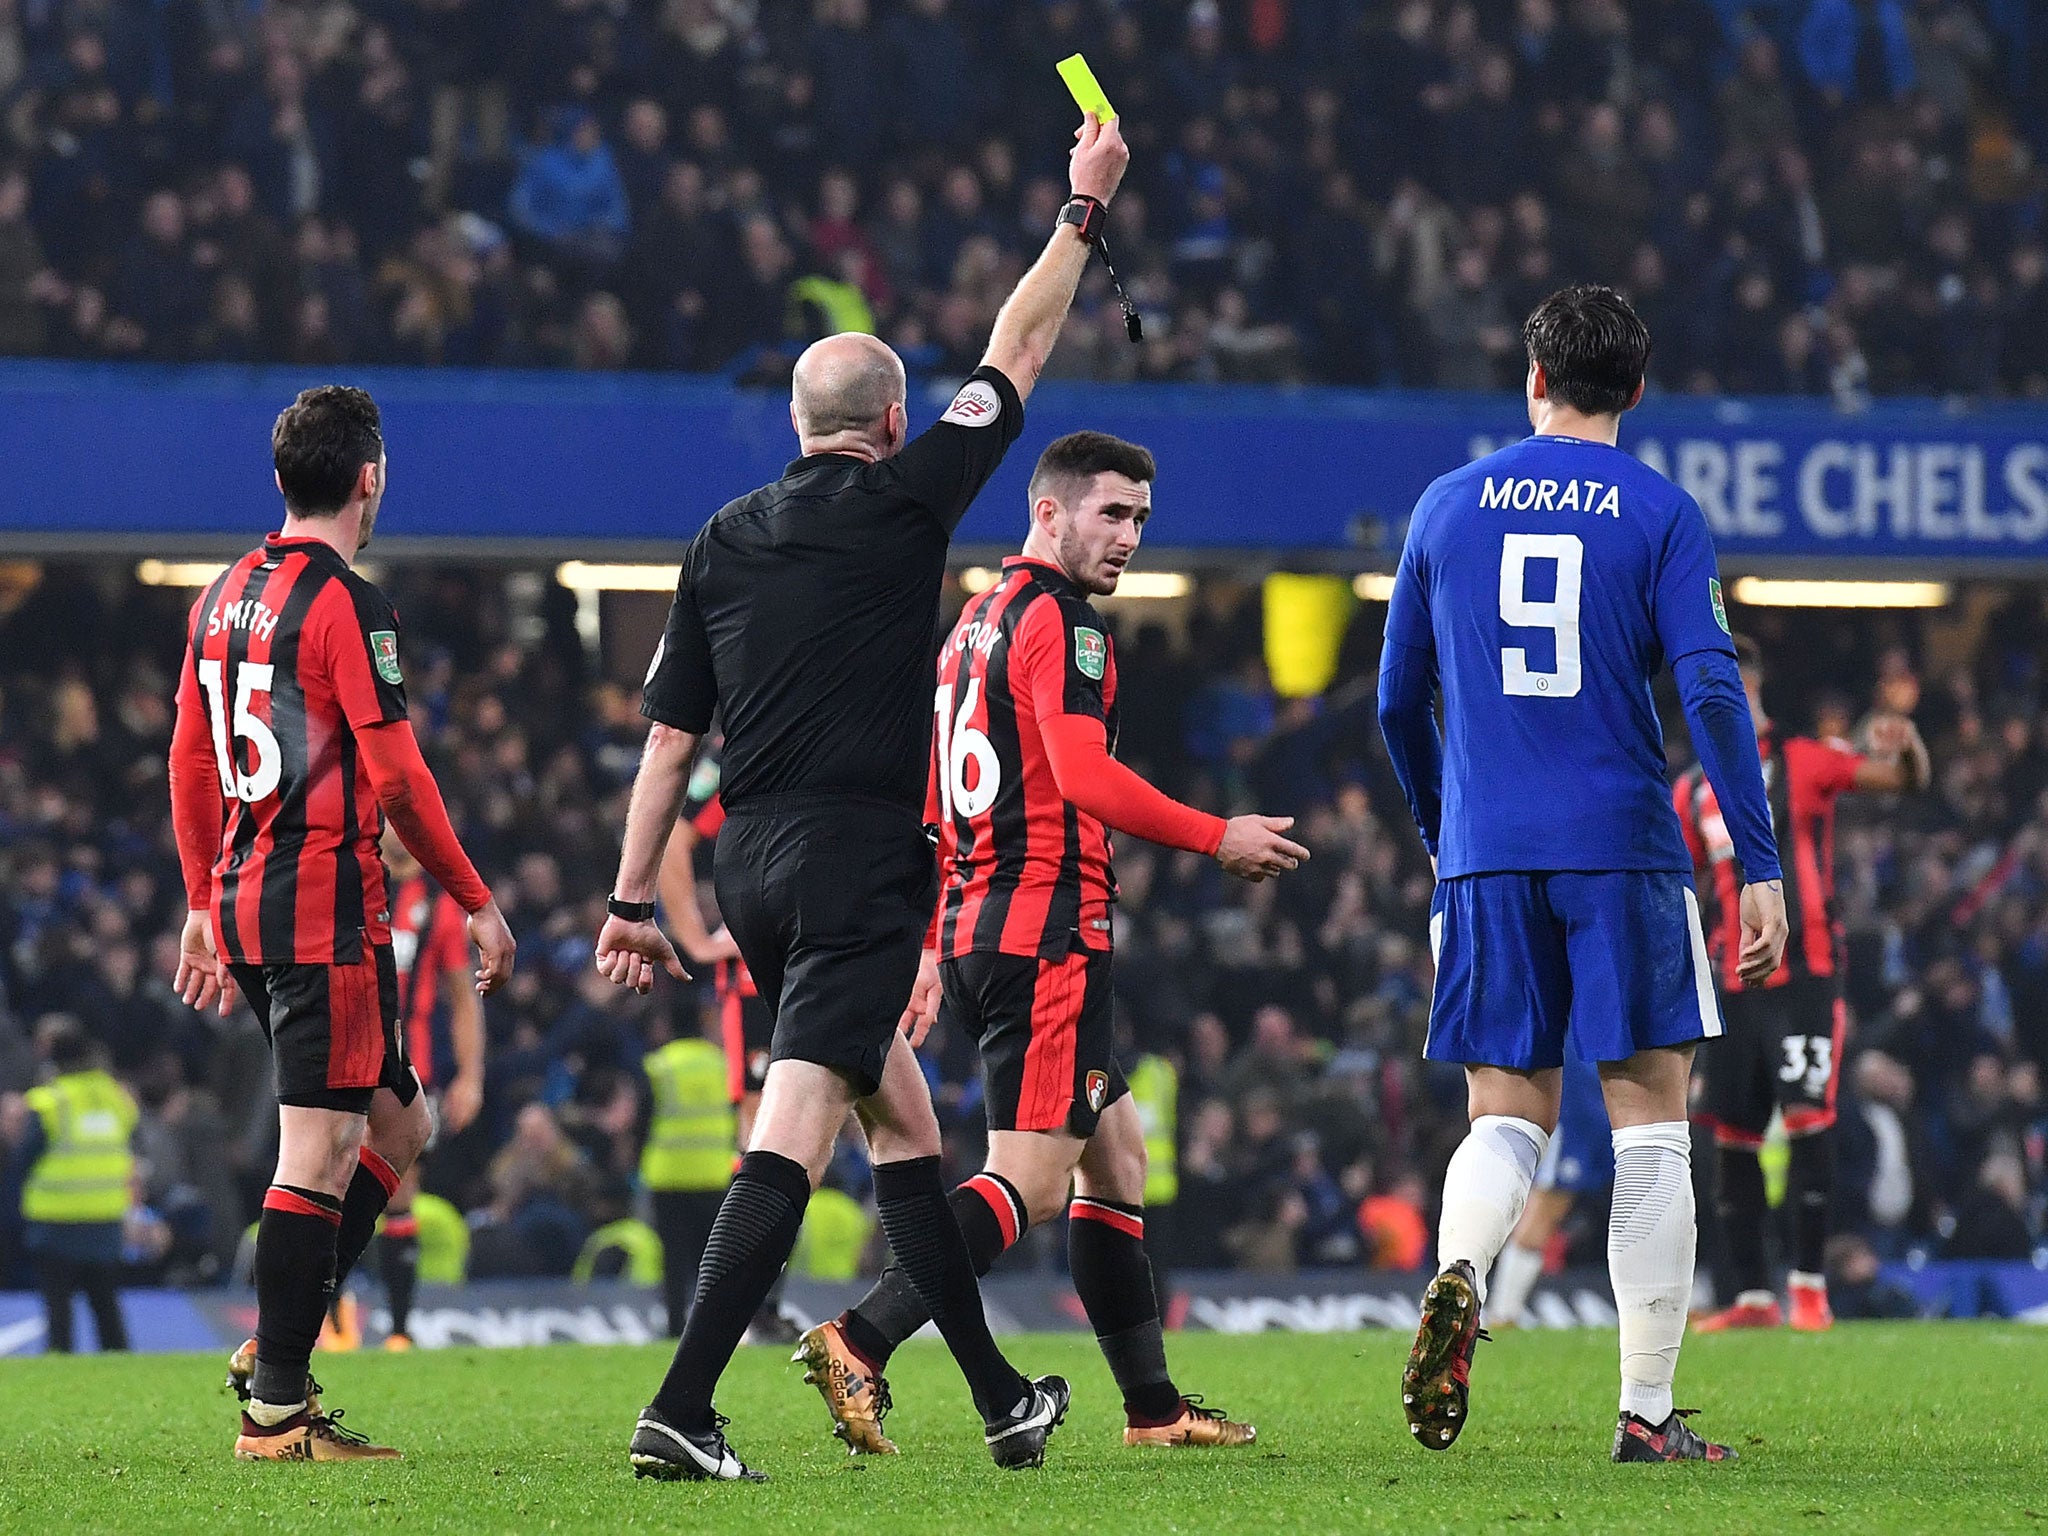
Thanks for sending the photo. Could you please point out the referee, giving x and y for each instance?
(806, 615)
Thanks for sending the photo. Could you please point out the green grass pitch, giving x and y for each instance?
(1875, 1428)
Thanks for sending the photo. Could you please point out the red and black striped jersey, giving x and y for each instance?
(704, 813)
(1024, 871)
(1805, 778)
(429, 941)
(291, 653)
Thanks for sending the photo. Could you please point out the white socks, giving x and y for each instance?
(1485, 1188)
(1650, 1243)
(269, 1415)
(1514, 1277)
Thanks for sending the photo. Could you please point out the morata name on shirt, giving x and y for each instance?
(1595, 496)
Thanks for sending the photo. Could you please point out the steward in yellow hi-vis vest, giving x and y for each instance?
(690, 1138)
(1155, 1089)
(80, 1176)
(688, 1159)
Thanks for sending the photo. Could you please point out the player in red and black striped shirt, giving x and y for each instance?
(292, 745)
(746, 1023)
(430, 951)
(1025, 793)
(1783, 1049)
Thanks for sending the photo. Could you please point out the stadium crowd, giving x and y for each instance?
(1822, 197)
(1310, 1128)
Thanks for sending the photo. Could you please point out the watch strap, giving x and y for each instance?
(1087, 215)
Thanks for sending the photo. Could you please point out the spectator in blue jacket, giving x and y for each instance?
(570, 194)
(1857, 52)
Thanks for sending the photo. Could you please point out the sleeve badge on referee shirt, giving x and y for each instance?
(976, 405)
(1090, 654)
(384, 646)
(1098, 1090)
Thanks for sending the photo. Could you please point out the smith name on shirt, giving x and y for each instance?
(1595, 496)
(244, 613)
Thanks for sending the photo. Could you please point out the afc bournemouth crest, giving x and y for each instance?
(1098, 1091)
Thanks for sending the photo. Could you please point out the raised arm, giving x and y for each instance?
(1029, 322)
(1898, 761)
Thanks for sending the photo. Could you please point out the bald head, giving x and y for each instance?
(841, 394)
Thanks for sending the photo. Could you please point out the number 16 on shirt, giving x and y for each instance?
(960, 743)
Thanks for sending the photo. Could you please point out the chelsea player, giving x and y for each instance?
(1541, 589)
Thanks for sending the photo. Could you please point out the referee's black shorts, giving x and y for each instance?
(829, 901)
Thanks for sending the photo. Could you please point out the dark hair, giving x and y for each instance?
(320, 444)
(1749, 656)
(1591, 346)
(1081, 456)
(65, 1042)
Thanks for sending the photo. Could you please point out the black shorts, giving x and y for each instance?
(829, 903)
(1047, 1035)
(1783, 1050)
(333, 1030)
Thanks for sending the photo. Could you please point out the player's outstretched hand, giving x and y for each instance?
(923, 1009)
(1096, 165)
(1253, 849)
(492, 936)
(627, 954)
(1763, 932)
(201, 980)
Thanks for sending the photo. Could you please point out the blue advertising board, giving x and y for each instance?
(505, 1313)
(591, 464)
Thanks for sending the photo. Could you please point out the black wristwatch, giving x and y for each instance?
(631, 911)
(1090, 216)
(1086, 214)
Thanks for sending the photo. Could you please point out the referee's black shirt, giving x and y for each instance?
(806, 612)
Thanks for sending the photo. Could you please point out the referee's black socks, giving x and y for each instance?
(991, 1216)
(1113, 1278)
(750, 1241)
(928, 1244)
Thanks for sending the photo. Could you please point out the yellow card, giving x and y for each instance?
(1088, 93)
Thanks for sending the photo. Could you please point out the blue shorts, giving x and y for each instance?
(1614, 959)
(1580, 1158)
